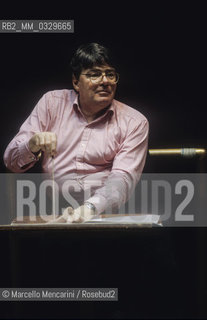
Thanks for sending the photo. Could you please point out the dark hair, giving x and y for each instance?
(88, 56)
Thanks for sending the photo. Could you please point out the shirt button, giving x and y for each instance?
(82, 144)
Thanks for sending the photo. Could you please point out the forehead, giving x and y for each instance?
(100, 68)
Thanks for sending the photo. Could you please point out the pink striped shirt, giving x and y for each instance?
(108, 153)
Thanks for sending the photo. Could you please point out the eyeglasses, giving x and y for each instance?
(97, 76)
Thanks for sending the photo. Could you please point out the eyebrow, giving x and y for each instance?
(98, 69)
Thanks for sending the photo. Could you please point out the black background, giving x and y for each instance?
(160, 48)
(161, 56)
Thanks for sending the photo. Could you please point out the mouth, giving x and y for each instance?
(103, 91)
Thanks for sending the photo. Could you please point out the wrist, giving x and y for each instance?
(91, 206)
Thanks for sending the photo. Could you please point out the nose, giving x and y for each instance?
(104, 78)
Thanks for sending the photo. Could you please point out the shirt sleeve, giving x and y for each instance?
(17, 156)
(126, 171)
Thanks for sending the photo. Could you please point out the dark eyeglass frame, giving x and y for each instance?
(102, 74)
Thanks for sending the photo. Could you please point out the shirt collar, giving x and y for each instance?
(109, 111)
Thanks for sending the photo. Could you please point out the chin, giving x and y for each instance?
(107, 99)
(104, 102)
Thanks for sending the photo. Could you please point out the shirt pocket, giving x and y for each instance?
(102, 147)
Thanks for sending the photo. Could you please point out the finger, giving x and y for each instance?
(77, 217)
(70, 219)
(37, 141)
(64, 217)
(48, 143)
(53, 144)
(41, 138)
(60, 219)
(72, 216)
(67, 212)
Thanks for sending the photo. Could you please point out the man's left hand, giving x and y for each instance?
(81, 214)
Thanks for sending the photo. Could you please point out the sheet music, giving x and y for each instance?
(129, 219)
(138, 219)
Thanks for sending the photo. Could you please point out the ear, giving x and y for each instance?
(75, 83)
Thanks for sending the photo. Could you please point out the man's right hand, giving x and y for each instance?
(45, 141)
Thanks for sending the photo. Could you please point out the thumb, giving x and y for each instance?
(67, 212)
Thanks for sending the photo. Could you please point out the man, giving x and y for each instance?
(94, 140)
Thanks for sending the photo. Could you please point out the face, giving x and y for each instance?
(95, 95)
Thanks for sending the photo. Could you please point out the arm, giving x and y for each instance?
(23, 151)
(127, 168)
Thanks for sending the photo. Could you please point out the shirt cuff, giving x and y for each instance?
(25, 155)
(99, 202)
